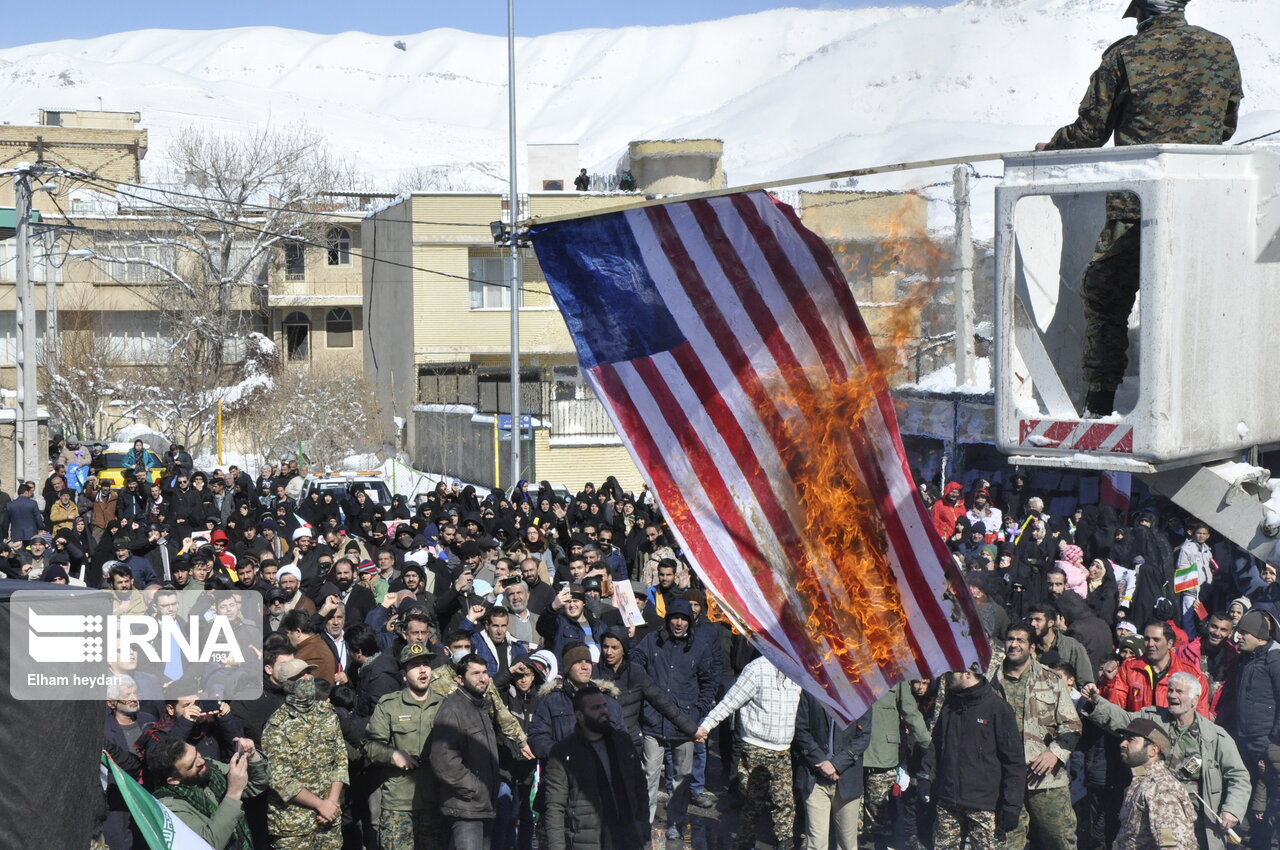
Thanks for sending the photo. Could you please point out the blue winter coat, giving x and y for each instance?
(559, 631)
(554, 720)
(686, 669)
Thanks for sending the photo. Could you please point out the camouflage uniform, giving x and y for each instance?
(954, 827)
(444, 681)
(307, 752)
(767, 780)
(1169, 83)
(1157, 812)
(409, 805)
(1048, 720)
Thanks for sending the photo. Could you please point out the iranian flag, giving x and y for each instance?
(159, 827)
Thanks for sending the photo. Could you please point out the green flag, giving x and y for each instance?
(159, 827)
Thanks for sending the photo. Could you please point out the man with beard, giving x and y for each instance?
(247, 576)
(1202, 754)
(974, 769)
(593, 783)
(355, 596)
(394, 743)
(289, 579)
(1052, 646)
(307, 560)
(464, 757)
(1213, 653)
(206, 794)
(1157, 811)
(540, 593)
(523, 623)
(662, 594)
(308, 766)
(1140, 682)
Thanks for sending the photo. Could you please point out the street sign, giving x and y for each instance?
(504, 426)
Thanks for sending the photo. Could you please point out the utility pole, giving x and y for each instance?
(514, 272)
(963, 278)
(28, 421)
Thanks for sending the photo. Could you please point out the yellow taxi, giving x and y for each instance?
(112, 470)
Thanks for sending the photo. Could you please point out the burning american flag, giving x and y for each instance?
(725, 344)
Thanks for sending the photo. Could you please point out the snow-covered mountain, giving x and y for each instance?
(791, 92)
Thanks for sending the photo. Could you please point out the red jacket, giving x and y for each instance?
(1133, 688)
(945, 515)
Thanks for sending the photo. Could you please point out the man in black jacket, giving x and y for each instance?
(830, 779)
(594, 785)
(975, 770)
(378, 675)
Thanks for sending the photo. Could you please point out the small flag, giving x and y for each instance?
(159, 827)
(725, 344)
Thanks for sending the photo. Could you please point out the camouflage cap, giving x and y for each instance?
(414, 653)
(1147, 8)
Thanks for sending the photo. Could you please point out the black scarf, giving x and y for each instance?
(619, 820)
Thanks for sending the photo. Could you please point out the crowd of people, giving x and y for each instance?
(522, 670)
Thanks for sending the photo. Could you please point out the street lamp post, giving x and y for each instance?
(514, 259)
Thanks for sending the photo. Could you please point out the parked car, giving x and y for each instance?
(112, 469)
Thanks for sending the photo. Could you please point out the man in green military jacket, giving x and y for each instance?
(394, 743)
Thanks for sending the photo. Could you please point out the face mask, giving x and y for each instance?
(300, 694)
(459, 654)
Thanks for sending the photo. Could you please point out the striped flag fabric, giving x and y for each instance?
(159, 827)
(725, 344)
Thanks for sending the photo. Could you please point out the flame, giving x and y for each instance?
(852, 605)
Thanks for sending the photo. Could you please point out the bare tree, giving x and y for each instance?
(82, 374)
(473, 176)
(327, 412)
(199, 248)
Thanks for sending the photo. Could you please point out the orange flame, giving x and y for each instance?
(851, 601)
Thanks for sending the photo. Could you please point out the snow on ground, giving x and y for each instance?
(791, 92)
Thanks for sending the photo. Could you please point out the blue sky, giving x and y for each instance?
(81, 19)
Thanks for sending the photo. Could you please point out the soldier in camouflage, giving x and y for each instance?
(1202, 755)
(1050, 730)
(1169, 83)
(1157, 813)
(308, 766)
(394, 743)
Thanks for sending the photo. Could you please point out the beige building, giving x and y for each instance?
(436, 302)
(310, 306)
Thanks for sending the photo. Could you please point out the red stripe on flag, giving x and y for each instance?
(766, 326)
(839, 288)
(668, 492)
(722, 501)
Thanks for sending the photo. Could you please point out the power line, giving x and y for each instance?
(293, 238)
(268, 208)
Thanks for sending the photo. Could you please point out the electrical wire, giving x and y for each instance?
(268, 208)
(293, 238)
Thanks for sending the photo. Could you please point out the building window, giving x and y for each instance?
(295, 261)
(339, 246)
(489, 285)
(139, 271)
(297, 336)
(338, 328)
